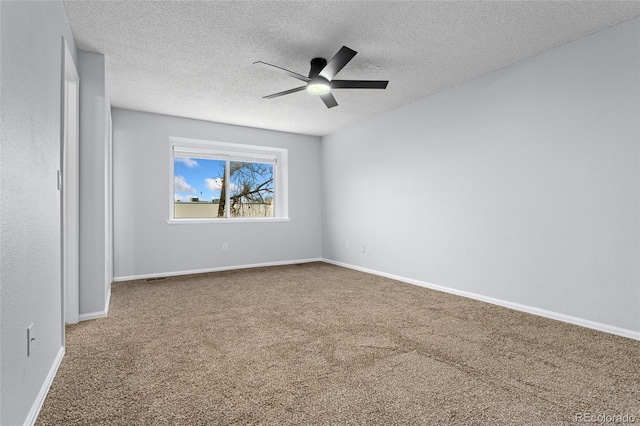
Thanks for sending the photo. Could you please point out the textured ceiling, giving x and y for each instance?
(195, 58)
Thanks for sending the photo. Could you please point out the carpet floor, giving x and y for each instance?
(317, 344)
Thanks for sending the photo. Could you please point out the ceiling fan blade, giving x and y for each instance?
(359, 84)
(289, 73)
(329, 100)
(286, 92)
(338, 62)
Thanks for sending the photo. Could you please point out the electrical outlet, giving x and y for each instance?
(225, 247)
(30, 339)
(363, 248)
(346, 245)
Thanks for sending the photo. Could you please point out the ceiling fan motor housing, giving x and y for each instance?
(317, 64)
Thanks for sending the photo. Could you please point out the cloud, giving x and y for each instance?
(180, 185)
(189, 162)
(184, 198)
(214, 185)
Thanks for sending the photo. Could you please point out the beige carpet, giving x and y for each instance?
(319, 344)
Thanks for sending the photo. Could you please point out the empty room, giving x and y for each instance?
(319, 212)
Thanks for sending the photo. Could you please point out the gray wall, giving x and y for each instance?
(95, 174)
(145, 244)
(522, 186)
(30, 257)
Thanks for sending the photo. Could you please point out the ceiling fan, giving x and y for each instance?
(320, 81)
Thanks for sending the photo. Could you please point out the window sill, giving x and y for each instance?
(234, 220)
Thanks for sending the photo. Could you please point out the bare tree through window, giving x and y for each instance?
(251, 190)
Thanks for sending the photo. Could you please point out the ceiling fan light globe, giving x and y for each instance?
(318, 89)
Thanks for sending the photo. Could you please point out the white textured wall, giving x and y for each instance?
(30, 258)
(95, 150)
(145, 244)
(522, 185)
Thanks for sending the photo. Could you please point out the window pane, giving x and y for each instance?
(251, 189)
(198, 184)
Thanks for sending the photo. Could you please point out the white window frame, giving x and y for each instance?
(199, 148)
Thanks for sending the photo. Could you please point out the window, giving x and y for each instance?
(214, 181)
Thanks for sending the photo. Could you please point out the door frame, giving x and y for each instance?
(70, 200)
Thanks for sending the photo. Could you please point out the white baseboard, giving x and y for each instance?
(98, 314)
(37, 404)
(92, 315)
(511, 305)
(218, 269)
